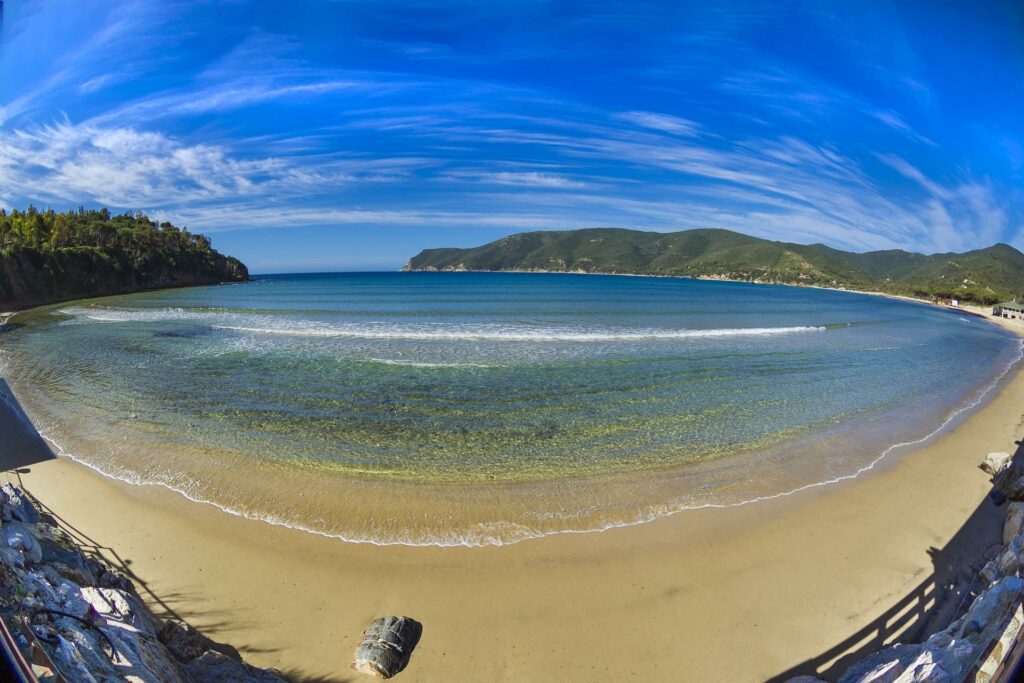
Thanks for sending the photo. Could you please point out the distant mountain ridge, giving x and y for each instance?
(984, 276)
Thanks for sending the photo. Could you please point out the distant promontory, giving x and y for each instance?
(47, 256)
(984, 276)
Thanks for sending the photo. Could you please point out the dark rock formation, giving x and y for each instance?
(387, 646)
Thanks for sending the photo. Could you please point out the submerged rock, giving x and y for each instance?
(387, 646)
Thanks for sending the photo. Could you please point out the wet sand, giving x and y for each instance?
(737, 594)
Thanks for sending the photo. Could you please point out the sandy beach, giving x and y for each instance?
(741, 594)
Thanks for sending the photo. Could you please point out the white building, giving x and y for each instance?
(1010, 310)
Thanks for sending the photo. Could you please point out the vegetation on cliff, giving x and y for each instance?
(984, 275)
(47, 256)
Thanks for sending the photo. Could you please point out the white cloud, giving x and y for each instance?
(661, 122)
(532, 179)
(124, 167)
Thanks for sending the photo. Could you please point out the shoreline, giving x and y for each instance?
(786, 579)
(781, 581)
(484, 538)
(883, 459)
(1016, 327)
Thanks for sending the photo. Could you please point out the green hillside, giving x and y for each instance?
(47, 256)
(983, 276)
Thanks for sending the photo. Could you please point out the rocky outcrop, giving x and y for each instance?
(87, 619)
(977, 641)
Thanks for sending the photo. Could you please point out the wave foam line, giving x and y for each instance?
(512, 335)
(419, 364)
(524, 532)
(298, 328)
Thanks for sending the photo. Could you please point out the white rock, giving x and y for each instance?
(995, 463)
(1014, 523)
(18, 537)
(985, 616)
(1009, 560)
(120, 609)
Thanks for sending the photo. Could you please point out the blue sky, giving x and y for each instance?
(340, 135)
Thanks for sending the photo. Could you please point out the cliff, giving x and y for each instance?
(48, 257)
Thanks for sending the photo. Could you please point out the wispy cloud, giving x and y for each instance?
(662, 122)
(531, 179)
(413, 115)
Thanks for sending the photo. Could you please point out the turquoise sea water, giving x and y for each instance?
(495, 406)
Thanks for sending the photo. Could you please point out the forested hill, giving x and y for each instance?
(47, 256)
(984, 276)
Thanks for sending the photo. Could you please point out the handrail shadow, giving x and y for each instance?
(110, 557)
(929, 606)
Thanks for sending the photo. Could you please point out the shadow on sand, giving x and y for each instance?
(162, 604)
(929, 606)
(22, 446)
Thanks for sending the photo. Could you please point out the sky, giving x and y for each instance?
(320, 135)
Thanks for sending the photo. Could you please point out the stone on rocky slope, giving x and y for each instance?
(995, 462)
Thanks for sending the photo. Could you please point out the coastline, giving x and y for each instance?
(1014, 326)
(781, 581)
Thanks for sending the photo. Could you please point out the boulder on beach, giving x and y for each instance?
(387, 646)
(1009, 480)
(995, 462)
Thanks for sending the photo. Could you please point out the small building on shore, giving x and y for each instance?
(1011, 310)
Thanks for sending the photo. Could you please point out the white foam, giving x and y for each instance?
(418, 364)
(497, 333)
(278, 325)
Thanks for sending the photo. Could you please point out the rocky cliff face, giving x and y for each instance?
(72, 611)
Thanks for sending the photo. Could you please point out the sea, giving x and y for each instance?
(472, 409)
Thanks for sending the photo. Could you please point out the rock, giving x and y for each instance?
(108, 578)
(15, 506)
(1014, 524)
(994, 463)
(984, 619)
(804, 679)
(18, 537)
(116, 605)
(12, 558)
(186, 643)
(990, 572)
(69, 562)
(1009, 561)
(1009, 481)
(387, 646)
(940, 659)
(215, 667)
(183, 641)
(885, 666)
